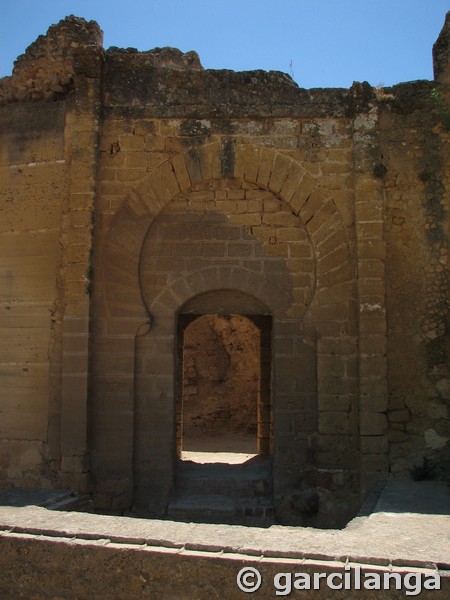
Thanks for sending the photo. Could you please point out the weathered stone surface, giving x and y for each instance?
(35, 77)
(137, 187)
(136, 558)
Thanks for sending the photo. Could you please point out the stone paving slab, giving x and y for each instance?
(32, 496)
(392, 537)
(413, 540)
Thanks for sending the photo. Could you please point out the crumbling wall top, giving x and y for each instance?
(46, 68)
(441, 53)
(69, 33)
(168, 82)
(159, 58)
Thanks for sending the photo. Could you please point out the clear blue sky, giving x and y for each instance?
(322, 43)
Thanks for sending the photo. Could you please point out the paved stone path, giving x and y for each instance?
(408, 526)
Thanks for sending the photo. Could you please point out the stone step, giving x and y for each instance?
(232, 487)
(223, 479)
(216, 508)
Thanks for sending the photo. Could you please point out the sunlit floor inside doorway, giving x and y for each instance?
(220, 448)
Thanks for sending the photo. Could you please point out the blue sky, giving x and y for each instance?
(321, 43)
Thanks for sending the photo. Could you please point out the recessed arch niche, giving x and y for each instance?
(139, 292)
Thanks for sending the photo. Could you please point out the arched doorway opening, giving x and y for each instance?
(224, 373)
(224, 426)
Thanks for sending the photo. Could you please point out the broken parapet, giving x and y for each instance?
(441, 54)
(46, 70)
(160, 58)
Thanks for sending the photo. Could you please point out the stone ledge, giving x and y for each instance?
(123, 557)
(383, 538)
(38, 566)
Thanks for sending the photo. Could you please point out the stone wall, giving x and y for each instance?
(416, 229)
(47, 71)
(139, 188)
(33, 174)
(48, 131)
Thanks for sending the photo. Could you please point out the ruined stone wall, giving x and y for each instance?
(416, 227)
(163, 245)
(33, 176)
(134, 184)
(47, 143)
(46, 71)
(417, 278)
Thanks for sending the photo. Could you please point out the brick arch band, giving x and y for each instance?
(182, 289)
(265, 167)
